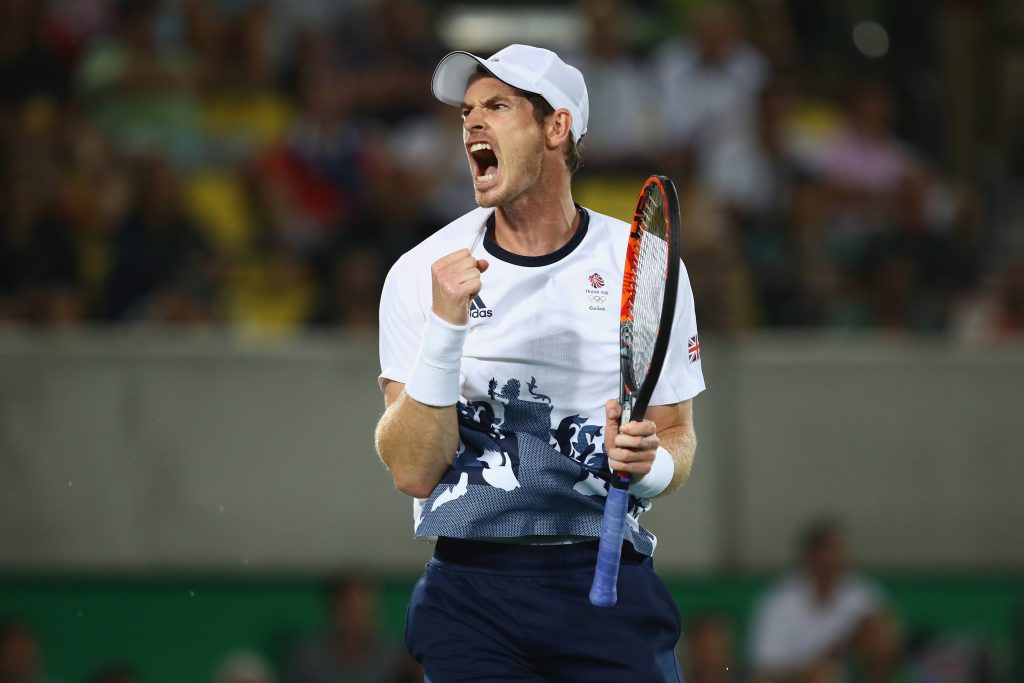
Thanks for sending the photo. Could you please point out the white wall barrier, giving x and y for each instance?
(128, 451)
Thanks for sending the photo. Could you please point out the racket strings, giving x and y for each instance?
(650, 273)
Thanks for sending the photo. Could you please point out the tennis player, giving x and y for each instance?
(499, 351)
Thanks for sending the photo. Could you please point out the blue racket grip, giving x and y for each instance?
(609, 552)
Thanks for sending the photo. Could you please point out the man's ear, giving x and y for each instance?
(557, 128)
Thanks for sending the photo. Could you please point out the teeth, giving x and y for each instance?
(477, 146)
(484, 178)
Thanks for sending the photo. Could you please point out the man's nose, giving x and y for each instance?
(474, 120)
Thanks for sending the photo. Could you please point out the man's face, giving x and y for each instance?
(710, 646)
(353, 611)
(504, 143)
(828, 560)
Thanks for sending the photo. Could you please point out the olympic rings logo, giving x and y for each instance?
(597, 298)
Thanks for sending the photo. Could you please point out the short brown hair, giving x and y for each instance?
(541, 110)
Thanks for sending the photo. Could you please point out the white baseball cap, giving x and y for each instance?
(532, 69)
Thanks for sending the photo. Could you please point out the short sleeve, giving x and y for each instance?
(401, 323)
(681, 375)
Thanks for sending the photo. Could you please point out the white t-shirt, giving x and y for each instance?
(792, 630)
(540, 361)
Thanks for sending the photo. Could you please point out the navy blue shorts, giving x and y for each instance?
(503, 612)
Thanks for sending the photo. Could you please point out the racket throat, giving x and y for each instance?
(621, 480)
(625, 374)
(627, 410)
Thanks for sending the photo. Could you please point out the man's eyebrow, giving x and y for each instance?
(490, 100)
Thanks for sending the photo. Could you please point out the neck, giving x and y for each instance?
(539, 221)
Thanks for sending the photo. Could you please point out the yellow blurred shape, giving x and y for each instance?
(40, 115)
(217, 201)
(271, 298)
(254, 119)
(611, 195)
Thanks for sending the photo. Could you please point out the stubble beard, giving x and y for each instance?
(520, 174)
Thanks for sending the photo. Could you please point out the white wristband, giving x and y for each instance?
(658, 479)
(434, 379)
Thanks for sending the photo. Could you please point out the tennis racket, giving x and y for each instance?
(645, 323)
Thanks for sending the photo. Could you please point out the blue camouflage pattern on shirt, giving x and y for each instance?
(516, 474)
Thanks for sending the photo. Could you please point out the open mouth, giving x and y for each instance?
(485, 162)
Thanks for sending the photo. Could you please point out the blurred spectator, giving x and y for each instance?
(142, 89)
(708, 655)
(1010, 94)
(427, 161)
(95, 195)
(923, 259)
(714, 262)
(292, 22)
(72, 25)
(624, 122)
(20, 659)
(753, 170)
(877, 652)
(244, 667)
(953, 657)
(352, 296)
(313, 181)
(352, 649)
(242, 112)
(29, 67)
(290, 125)
(804, 621)
(38, 258)
(996, 314)
(867, 163)
(272, 293)
(793, 265)
(389, 48)
(708, 84)
(241, 57)
(115, 673)
(162, 267)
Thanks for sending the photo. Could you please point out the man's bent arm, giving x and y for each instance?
(415, 441)
(677, 436)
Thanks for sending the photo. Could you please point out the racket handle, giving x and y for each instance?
(609, 552)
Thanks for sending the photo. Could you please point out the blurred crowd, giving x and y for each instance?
(826, 622)
(259, 164)
(822, 622)
(350, 650)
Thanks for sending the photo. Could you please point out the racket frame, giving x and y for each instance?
(634, 401)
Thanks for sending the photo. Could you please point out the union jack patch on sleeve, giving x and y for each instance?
(694, 346)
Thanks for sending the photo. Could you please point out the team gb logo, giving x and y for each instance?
(597, 297)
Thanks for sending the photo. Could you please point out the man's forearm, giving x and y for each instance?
(681, 443)
(417, 443)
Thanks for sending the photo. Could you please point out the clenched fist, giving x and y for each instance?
(455, 280)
